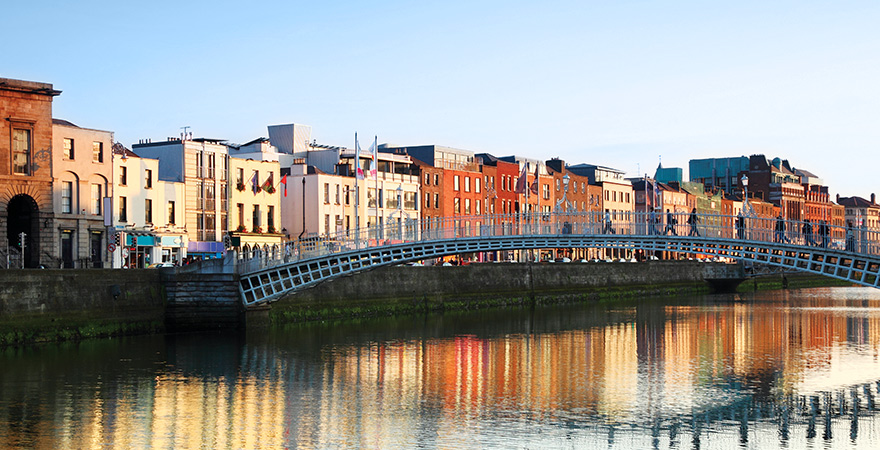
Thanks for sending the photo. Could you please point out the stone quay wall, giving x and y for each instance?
(148, 300)
(434, 286)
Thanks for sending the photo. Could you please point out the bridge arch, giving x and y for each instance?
(271, 283)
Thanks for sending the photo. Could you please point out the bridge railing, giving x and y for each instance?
(854, 239)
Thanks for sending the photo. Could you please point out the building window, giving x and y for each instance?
(478, 208)
(123, 209)
(210, 197)
(546, 192)
(223, 162)
(436, 200)
(148, 179)
(436, 179)
(326, 223)
(409, 200)
(240, 179)
(212, 163)
(427, 179)
(477, 185)
(148, 210)
(123, 176)
(210, 226)
(223, 197)
(467, 206)
(255, 217)
(427, 199)
(67, 197)
(98, 152)
(96, 199)
(200, 226)
(68, 148)
(326, 193)
(467, 184)
(21, 151)
(455, 183)
(270, 219)
(456, 206)
(171, 219)
(240, 207)
(338, 194)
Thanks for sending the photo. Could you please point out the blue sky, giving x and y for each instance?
(617, 83)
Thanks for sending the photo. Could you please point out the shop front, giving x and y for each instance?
(201, 250)
(138, 250)
(172, 250)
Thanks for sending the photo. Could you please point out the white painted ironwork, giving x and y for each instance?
(844, 253)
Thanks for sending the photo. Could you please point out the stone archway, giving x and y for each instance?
(22, 215)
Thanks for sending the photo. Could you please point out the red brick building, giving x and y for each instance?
(26, 170)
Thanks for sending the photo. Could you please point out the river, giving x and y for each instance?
(781, 369)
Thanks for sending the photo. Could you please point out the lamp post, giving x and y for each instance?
(747, 209)
(400, 210)
(563, 202)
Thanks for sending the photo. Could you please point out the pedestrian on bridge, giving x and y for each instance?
(652, 228)
(740, 226)
(823, 233)
(670, 223)
(807, 229)
(850, 237)
(693, 220)
(780, 230)
(609, 229)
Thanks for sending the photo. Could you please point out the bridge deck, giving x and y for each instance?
(268, 274)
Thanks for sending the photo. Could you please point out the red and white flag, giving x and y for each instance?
(359, 172)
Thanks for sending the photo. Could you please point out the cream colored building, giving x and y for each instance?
(254, 203)
(147, 213)
(81, 170)
(201, 164)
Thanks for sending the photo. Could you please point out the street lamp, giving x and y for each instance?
(400, 210)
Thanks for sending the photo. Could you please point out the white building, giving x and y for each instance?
(201, 164)
(325, 198)
(148, 213)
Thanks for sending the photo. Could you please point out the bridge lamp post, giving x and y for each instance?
(746, 207)
(563, 202)
(400, 210)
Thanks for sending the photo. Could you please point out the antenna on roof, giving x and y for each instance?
(183, 136)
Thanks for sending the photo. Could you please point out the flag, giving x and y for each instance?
(254, 181)
(374, 165)
(284, 182)
(656, 193)
(534, 187)
(269, 183)
(359, 172)
(521, 182)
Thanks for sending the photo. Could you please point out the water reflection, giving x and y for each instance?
(789, 368)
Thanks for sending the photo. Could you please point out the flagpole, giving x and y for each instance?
(357, 197)
(375, 167)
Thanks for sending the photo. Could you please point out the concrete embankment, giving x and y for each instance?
(406, 289)
(57, 305)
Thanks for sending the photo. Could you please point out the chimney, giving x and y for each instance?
(872, 198)
(837, 200)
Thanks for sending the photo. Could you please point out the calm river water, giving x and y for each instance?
(788, 369)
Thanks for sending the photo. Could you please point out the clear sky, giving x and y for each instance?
(617, 83)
